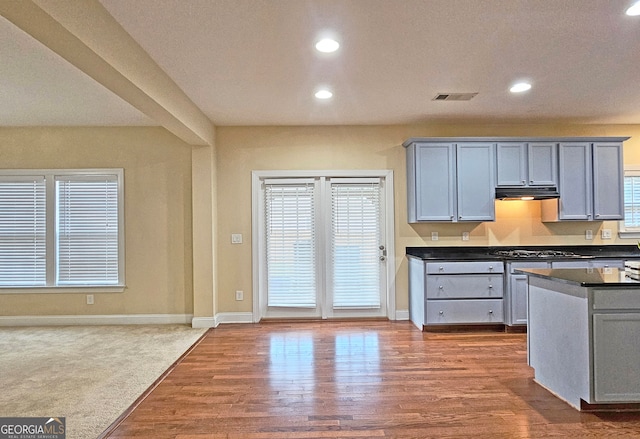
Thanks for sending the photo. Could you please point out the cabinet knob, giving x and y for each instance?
(441, 268)
(441, 313)
(441, 287)
(491, 268)
(490, 286)
(523, 181)
(490, 311)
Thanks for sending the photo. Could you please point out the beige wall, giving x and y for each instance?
(158, 202)
(243, 149)
(157, 172)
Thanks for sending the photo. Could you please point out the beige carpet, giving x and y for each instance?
(88, 374)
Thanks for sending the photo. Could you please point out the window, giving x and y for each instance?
(630, 226)
(61, 229)
(290, 243)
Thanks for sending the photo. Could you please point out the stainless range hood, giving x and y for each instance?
(527, 193)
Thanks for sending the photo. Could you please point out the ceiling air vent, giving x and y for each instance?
(454, 96)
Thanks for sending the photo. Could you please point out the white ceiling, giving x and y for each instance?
(252, 62)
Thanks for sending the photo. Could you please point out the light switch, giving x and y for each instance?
(588, 234)
(465, 236)
(236, 238)
(434, 236)
(606, 233)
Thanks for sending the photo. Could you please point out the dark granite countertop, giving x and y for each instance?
(585, 277)
(471, 253)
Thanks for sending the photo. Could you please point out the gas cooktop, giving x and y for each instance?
(532, 254)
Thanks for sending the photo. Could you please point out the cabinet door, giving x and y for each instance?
(518, 299)
(608, 182)
(542, 163)
(476, 181)
(616, 358)
(575, 182)
(511, 163)
(433, 190)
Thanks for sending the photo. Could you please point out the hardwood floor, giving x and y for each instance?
(359, 380)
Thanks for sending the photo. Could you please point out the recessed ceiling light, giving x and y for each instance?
(323, 94)
(634, 9)
(520, 87)
(327, 45)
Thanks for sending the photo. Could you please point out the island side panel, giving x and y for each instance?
(417, 278)
(558, 338)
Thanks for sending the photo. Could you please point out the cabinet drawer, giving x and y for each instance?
(480, 286)
(465, 267)
(464, 311)
(616, 299)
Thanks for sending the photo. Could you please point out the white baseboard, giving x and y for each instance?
(234, 317)
(247, 317)
(109, 319)
(223, 317)
(203, 322)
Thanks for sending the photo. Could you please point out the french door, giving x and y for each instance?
(322, 247)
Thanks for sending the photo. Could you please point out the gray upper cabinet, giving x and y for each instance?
(476, 181)
(451, 179)
(542, 163)
(431, 175)
(450, 182)
(590, 183)
(527, 163)
(608, 181)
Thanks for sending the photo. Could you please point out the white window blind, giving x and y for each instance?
(290, 244)
(87, 230)
(355, 239)
(22, 231)
(632, 202)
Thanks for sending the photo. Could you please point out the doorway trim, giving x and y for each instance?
(257, 244)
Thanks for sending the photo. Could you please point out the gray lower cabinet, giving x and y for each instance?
(518, 287)
(616, 364)
(517, 291)
(450, 293)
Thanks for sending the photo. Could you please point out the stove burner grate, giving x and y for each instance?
(534, 254)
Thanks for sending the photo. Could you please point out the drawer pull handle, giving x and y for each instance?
(441, 313)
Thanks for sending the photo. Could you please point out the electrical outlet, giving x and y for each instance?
(588, 234)
(236, 238)
(465, 236)
(89, 299)
(239, 295)
(606, 233)
(434, 236)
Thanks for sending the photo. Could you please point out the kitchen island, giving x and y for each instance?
(583, 337)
